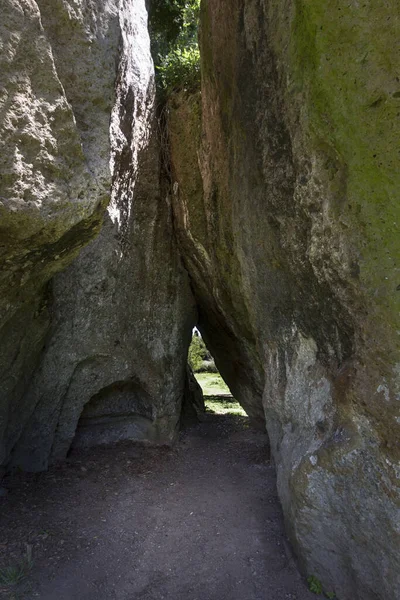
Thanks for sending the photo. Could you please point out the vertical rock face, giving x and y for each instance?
(289, 229)
(206, 232)
(54, 163)
(112, 363)
(286, 212)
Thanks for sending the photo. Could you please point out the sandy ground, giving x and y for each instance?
(200, 521)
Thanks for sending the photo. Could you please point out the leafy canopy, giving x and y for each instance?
(197, 353)
(174, 32)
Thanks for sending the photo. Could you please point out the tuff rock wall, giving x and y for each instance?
(287, 211)
(98, 352)
(54, 163)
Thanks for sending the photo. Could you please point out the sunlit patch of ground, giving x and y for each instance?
(217, 396)
(212, 384)
(223, 406)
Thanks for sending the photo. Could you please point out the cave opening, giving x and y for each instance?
(120, 411)
(217, 395)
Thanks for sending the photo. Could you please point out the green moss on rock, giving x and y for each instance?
(346, 59)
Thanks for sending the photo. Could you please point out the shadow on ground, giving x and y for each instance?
(200, 521)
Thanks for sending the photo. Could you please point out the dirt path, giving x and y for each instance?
(198, 522)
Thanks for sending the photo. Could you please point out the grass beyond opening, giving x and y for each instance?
(217, 396)
(212, 384)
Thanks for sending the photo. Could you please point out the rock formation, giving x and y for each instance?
(114, 358)
(284, 212)
(289, 229)
(57, 90)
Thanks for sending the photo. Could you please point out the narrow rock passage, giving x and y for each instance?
(199, 522)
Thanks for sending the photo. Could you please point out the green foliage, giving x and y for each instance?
(197, 353)
(208, 366)
(165, 23)
(314, 585)
(15, 574)
(180, 70)
(173, 23)
(174, 30)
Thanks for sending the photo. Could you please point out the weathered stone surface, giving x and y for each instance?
(115, 362)
(286, 212)
(57, 80)
(193, 407)
(77, 98)
(289, 230)
(207, 244)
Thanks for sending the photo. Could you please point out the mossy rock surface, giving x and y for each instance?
(291, 240)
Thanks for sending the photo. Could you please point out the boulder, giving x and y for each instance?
(110, 363)
(57, 91)
(280, 230)
(287, 214)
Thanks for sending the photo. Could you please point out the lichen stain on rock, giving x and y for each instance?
(352, 106)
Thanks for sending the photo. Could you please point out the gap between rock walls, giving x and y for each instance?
(235, 169)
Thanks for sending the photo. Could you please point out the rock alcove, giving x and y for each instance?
(278, 232)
